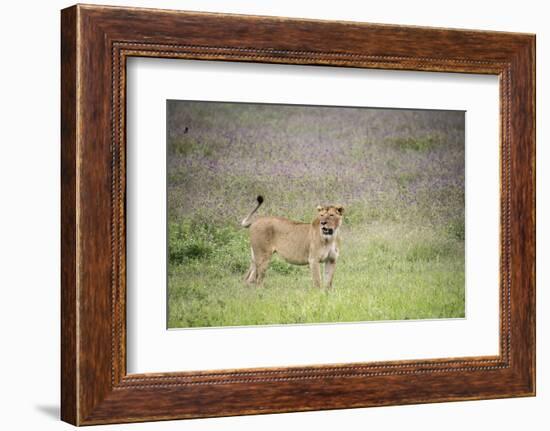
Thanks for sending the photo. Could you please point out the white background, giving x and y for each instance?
(29, 228)
(151, 348)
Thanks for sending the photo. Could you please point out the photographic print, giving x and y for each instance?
(291, 214)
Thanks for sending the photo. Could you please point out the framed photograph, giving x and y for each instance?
(263, 214)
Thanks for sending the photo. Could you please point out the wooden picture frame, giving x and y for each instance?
(95, 43)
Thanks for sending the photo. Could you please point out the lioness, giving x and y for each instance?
(298, 243)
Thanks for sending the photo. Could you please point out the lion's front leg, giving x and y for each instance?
(330, 266)
(315, 267)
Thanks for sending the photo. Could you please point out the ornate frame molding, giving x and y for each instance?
(96, 41)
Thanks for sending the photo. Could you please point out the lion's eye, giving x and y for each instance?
(332, 215)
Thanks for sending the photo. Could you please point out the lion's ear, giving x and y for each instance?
(340, 209)
(320, 208)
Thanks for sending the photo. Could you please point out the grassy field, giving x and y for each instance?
(399, 173)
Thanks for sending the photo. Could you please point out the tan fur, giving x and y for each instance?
(297, 243)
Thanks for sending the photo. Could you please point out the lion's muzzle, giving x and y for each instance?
(327, 230)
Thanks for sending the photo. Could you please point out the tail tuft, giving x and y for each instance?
(247, 221)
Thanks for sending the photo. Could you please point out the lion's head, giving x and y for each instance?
(330, 219)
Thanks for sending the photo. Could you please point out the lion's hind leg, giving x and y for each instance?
(250, 277)
(252, 273)
(261, 268)
(260, 259)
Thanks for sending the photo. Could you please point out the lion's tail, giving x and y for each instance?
(247, 220)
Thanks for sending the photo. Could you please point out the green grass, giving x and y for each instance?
(419, 143)
(386, 271)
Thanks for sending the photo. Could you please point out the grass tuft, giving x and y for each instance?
(416, 143)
